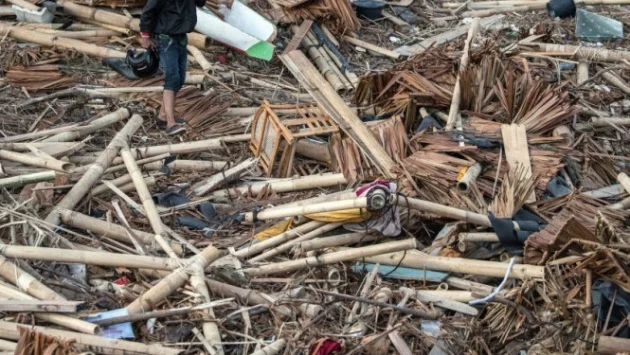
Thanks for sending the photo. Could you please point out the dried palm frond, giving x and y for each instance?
(532, 103)
(513, 193)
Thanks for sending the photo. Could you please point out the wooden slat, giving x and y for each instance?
(299, 36)
(517, 150)
(336, 108)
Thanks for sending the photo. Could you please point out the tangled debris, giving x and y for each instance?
(417, 179)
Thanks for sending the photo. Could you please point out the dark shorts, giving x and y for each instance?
(173, 59)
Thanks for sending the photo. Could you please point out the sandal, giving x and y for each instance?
(162, 123)
(175, 129)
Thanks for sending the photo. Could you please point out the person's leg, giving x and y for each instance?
(169, 59)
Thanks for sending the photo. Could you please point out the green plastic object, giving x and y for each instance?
(596, 28)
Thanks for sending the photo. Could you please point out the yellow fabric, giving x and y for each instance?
(275, 229)
(461, 173)
(353, 215)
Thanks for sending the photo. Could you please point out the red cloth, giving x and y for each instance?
(325, 347)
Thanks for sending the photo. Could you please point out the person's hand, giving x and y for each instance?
(146, 42)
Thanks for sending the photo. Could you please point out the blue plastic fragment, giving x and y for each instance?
(401, 272)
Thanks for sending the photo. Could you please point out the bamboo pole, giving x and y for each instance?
(419, 260)
(337, 241)
(272, 349)
(478, 237)
(599, 122)
(503, 10)
(7, 345)
(612, 345)
(290, 244)
(110, 230)
(581, 52)
(84, 185)
(16, 181)
(278, 239)
(49, 40)
(247, 296)
(59, 319)
(94, 126)
(290, 185)
(332, 258)
(91, 34)
(38, 161)
(119, 181)
(15, 275)
(453, 112)
(187, 165)
(469, 178)
(200, 58)
(223, 177)
(445, 211)
(89, 343)
(53, 26)
(147, 201)
(322, 64)
(31, 135)
(89, 257)
(24, 4)
(173, 281)
(458, 296)
(281, 212)
(7, 11)
(190, 147)
(140, 162)
(614, 80)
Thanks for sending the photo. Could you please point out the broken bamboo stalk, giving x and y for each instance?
(599, 122)
(84, 185)
(453, 112)
(50, 40)
(173, 281)
(247, 296)
(25, 281)
(88, 257)
(446, 303)
(281, 211)
(371, 47)
(478, 237)
(272, 349)
(24, 4)
(38, 161)
(189, 147)
(332, 258)
(337, 240)
(614, 80)
(582, 72)
(110, 230)
(469, 178)
(215, 181)
(59, 319)
(200, 58)
(6, 345)
(446, 211)
(289, 185)
(187, 165)
(87, 342)
(16, 181)
(624, 180)
(94, 126)
(612, 345)
(147, 201)
(91, 34)
(419, 260)
(278, 239)
(290, 244)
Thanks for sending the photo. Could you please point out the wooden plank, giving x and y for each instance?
(446, 36)
(39, 306)
(299, 36)
(517, 150)
(371, 47)
(334, 106)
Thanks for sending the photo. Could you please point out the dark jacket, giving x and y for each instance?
(169, 17)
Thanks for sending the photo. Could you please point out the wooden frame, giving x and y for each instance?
(271, 135)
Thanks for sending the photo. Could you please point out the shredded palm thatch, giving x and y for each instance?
(513, 193)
